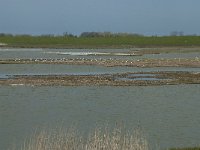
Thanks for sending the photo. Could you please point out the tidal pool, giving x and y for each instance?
(169, 115)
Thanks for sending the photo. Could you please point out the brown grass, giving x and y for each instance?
(99, 139)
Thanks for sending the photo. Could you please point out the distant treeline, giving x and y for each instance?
(96, 34)
(83, 34)
(108, 34)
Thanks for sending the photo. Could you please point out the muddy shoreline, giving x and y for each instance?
(124, 79)
(177, 62)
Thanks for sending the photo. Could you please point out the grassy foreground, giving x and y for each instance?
(98, 42)
(100, 139)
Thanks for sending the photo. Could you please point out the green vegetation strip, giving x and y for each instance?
(195, 148)
(98, 42)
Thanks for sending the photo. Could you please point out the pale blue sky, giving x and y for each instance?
(149, 17)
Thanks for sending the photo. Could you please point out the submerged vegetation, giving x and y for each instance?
(97, 40)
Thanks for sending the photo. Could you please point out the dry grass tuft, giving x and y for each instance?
(99, 139)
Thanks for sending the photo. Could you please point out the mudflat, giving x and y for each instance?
(176, 62)
(123, 79)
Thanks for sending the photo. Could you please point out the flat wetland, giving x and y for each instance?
(133, 58)
(154, 88)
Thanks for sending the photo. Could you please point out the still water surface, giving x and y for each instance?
(60, 69)
(21, 53)
(169, 115)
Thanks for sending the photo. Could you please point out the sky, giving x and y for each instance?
(148, 17)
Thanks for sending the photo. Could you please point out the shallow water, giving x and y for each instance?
(139, 76)
(173, 55)
(49, 69)
(3, 76)
(169, 115)
(60, 53)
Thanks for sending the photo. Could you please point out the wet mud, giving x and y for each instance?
(177, 62)
(124, 79)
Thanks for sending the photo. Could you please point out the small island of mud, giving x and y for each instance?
(124, 79)
(176, 62)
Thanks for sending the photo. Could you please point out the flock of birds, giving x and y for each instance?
(69, 59)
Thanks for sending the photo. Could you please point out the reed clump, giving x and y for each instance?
(99, 139)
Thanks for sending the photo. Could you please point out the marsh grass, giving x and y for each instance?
(99, 139)
(99, 42)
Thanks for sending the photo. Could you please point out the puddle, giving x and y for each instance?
(147, 79)
(140, 77)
